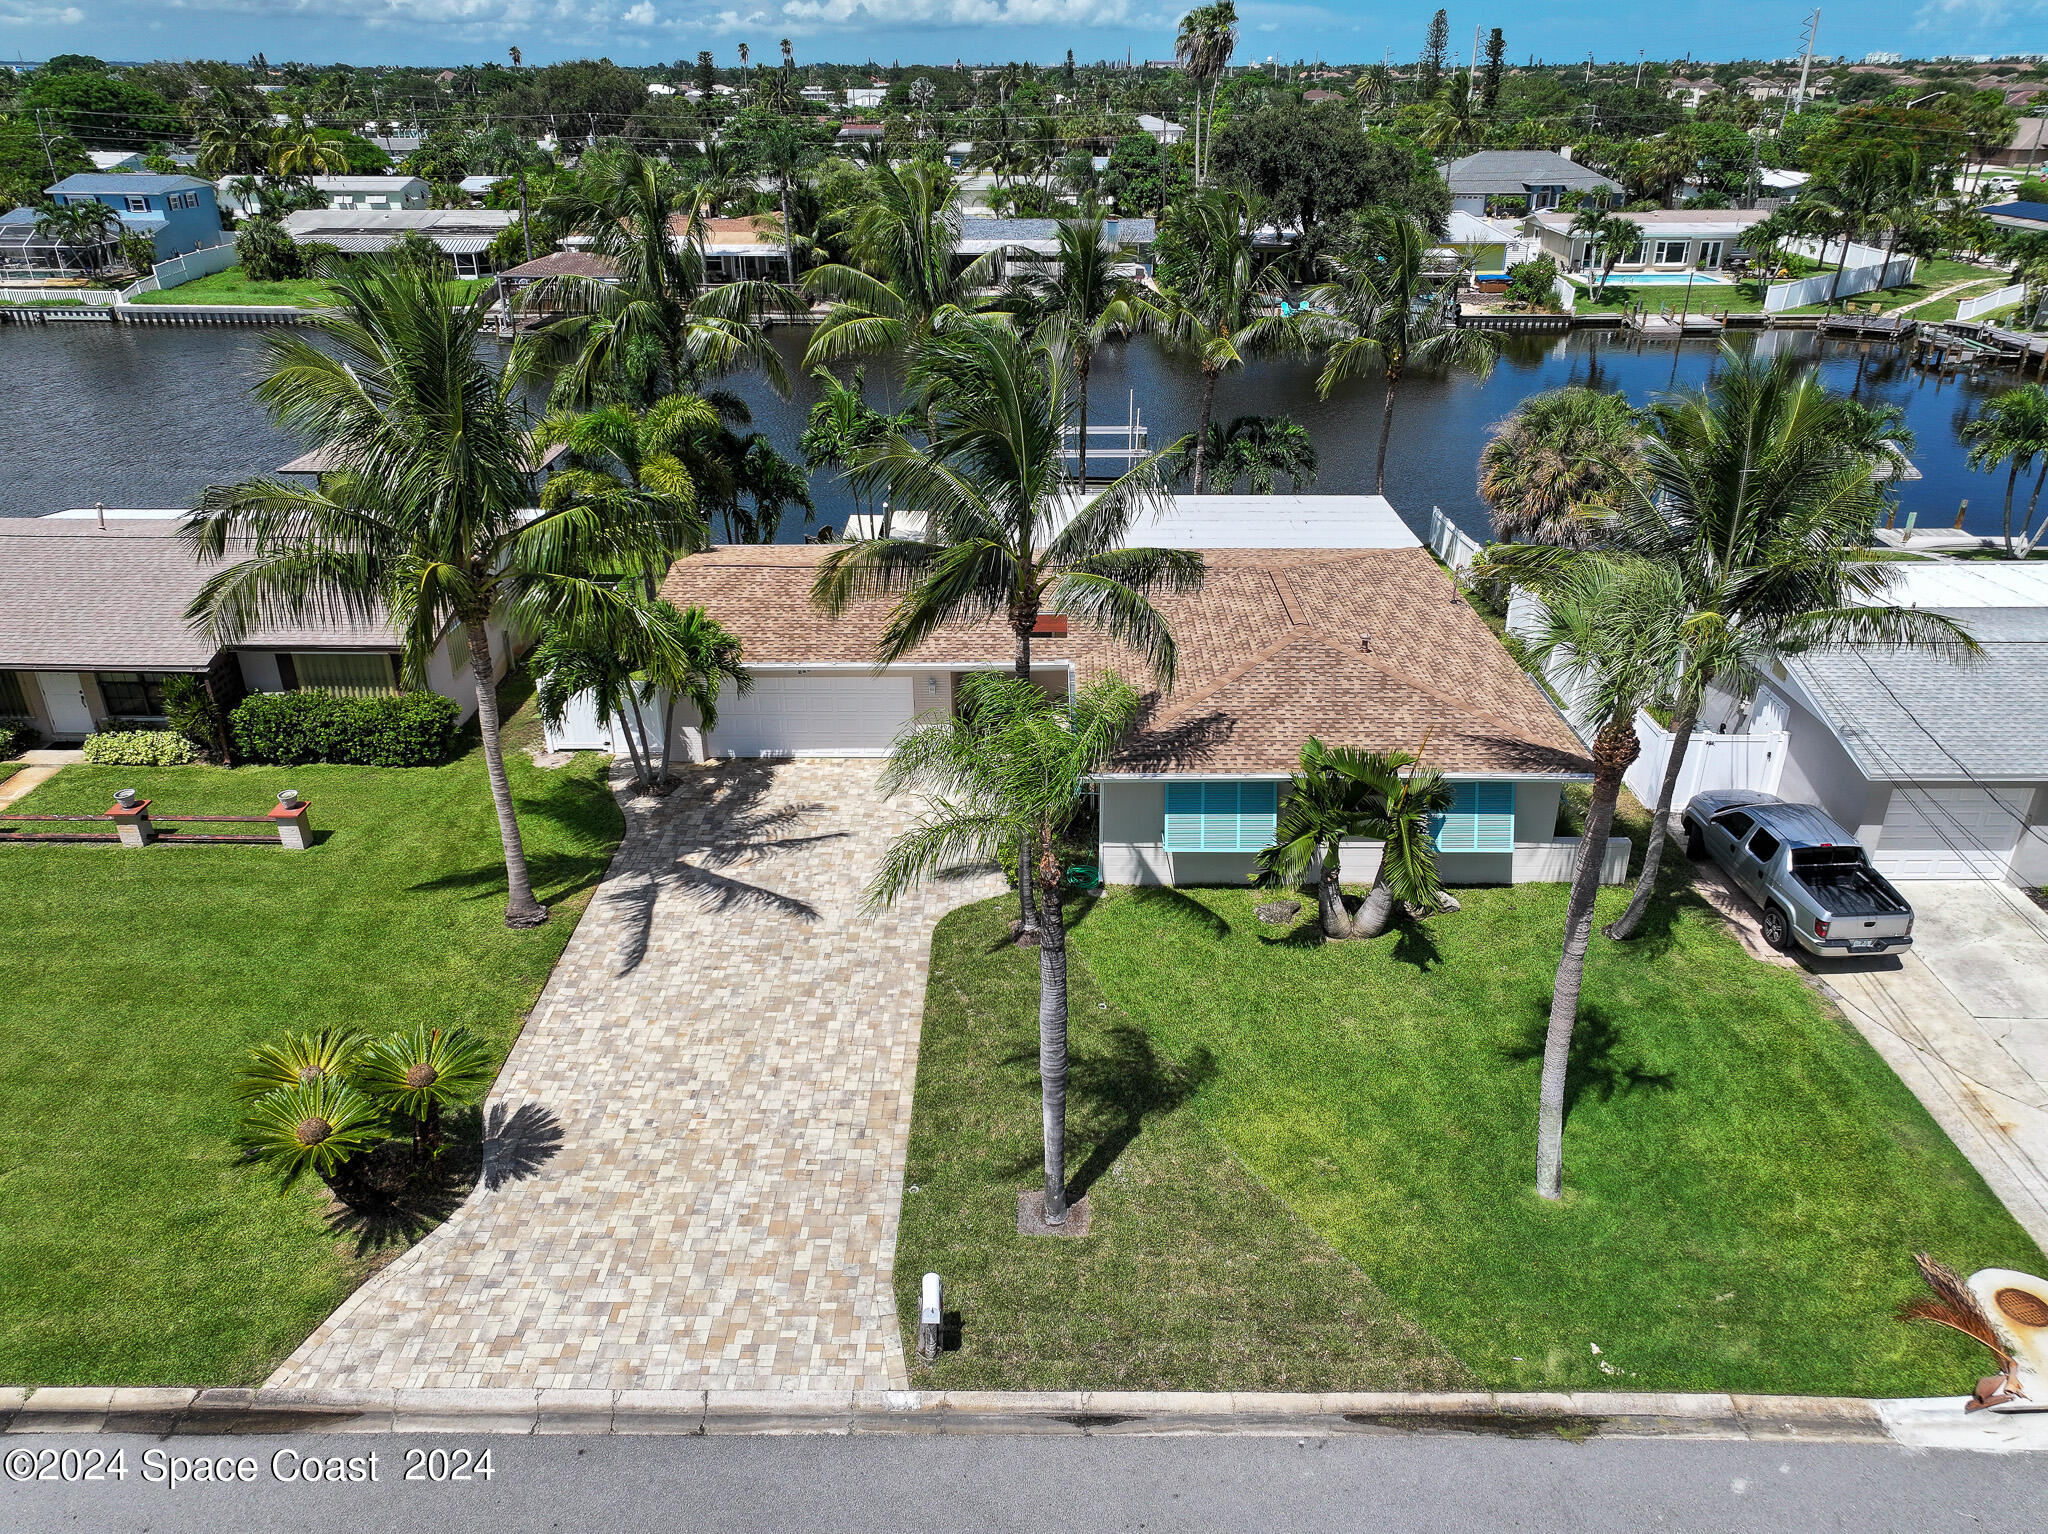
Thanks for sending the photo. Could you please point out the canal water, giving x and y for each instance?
(147, 416)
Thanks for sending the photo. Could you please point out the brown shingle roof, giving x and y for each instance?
(78, 597)
(563, 263)
(1269, 653)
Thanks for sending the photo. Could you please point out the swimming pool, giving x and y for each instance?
(1663, 280)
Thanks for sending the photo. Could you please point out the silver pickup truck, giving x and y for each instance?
(1811, 878)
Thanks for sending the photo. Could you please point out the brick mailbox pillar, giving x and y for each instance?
(294, 827)
(132, 823)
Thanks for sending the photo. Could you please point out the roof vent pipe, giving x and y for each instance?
(99, 510)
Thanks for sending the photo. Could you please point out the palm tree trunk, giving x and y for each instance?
(1052, 1029)
(2011, 480)
(1331, 914)
(1613, 749)
(1378, 910)
(1027, 919)
(632, 749)
(1379, 477)
(1081, 439)
(1202, 431)
(2034, 501)
(643, 759)
(788, 239)
(1660, 823)
(1834, 286)
(668, 730)
(521, 909)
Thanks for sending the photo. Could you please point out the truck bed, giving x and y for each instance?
(1846, 886)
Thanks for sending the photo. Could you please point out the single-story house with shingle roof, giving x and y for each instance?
(92, 622)
(1369, 646)
(465, 234)
(1535, 174)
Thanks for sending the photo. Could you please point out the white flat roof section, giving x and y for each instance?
(1967, 583)
(1274, 522)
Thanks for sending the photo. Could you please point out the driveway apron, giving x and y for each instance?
(694, 1156)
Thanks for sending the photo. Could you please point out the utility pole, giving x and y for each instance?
(49, 164)
(1472, 74)
(1639, 69)
(1806, 59)
(1589, 69)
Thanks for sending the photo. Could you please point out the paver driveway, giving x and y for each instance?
(698, 1140)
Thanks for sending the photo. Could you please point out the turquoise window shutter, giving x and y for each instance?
(1221, 816)
(1481, 819)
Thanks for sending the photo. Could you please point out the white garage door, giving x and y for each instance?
(1950, 831)
(823, 714)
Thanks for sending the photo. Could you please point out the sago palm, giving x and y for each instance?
(1343, 794)
(1011, 769)
(422, 1071)
(1381, 314)
(318, 1126)
(426, 519)
(298, 1059)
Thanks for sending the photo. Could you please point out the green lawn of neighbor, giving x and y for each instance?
(138, 1249)
(1311, 1166)
(233, 287)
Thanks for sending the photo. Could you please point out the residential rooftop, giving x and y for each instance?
(1511, 172)
(129, 183)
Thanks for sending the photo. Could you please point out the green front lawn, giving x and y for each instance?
(1311, 1166)
(138, 1249)
(233, 287)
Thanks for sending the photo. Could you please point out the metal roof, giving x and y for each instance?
(132, 183)
(1509, 172)
(458, 231)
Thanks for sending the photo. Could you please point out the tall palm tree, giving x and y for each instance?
(2011, 430)
(842, 425)
(663, 452)
(1207, 39)
(1255, 451)
(1755, 494)
(425, 520)
(1080, 301)
(782, 148)
(89, 226)
(1342, 794)
(1608, 630)
(1556, 470)
(662, 327)
(1609, 233)
(1219, 304)
(1011, 768)
(1381, 312)
(295, 151)
(1453, 126)
(905, 282)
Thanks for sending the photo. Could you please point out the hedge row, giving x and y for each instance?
(411, 729)
(139, 748)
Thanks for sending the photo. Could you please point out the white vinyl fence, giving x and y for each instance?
(2004, 298)
(97, 298)
(1866, 271)
(186, 268)
(1567, 293)
(1451, 543)
(1711, 761)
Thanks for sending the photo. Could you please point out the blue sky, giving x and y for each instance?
(938, 31)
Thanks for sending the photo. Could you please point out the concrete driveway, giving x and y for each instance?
(1963, 1019)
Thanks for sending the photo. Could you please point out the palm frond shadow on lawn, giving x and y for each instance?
(1596, 1068)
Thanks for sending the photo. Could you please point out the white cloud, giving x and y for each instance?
(957, 13)
(19, 13)
(641, 15)
(1974, 18)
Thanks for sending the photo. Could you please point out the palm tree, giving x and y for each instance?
(1557, 469)
(782, 148)
(998, 536)
(1453, 127)
(1081, 302)
(1253, 450)
(1755, 494)
(296, 151)
(425, 520)
(693, 658)
(90, 226)
(1381, 312)
(1219, 305)
(1343, 794)
(661, 452)
(421, 1072)
(2012, 430)
(298, 1059)
(1207, 39)
(589, 660)
(1011, 768)
(1608, 630)
(842, 425)
(904, 238)
(1609, 233)
(661, 328)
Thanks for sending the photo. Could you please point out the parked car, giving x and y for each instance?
(1811, 877)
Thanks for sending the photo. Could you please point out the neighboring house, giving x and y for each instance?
(1538, 175)
(863, 96)
(1673, 239)
(92, 623)
(1160, 129)
(110, 161)
(1690, 93)
(180, 213)
(861, 133)
(477, 188)
(372, 193)
(2030, 217)
(465, 233)
(1041, 237)
(1939, 766)
(1477, 243)
(1335, 622)
(515, 282)
(1316, 98)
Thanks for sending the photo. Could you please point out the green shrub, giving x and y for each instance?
(411, 729)
(140, 748)
(266, 251)
(1533, 283)
(189, 709)
(17, 738)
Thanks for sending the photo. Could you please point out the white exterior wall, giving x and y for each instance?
(1817, 770)
(2030, 861)
(447, 668)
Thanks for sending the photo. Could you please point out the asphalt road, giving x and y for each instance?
(893, 1485)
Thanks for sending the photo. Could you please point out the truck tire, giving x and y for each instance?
(1777, 928)
(1695, 844)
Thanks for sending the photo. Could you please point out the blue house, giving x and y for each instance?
(180, 211)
